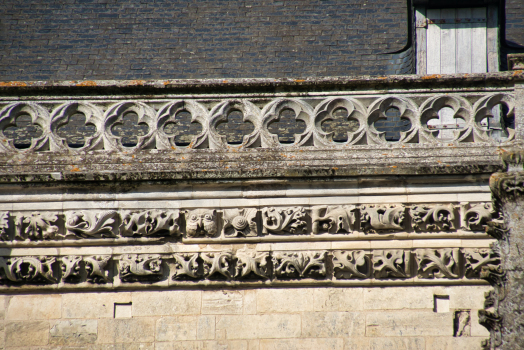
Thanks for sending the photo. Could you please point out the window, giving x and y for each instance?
(457, 40)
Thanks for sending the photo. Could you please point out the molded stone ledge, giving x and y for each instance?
(246, 267)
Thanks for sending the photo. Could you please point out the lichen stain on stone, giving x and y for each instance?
(136, 82)
(74, 169)
(432, 76)
(87, 83)
(12, 83)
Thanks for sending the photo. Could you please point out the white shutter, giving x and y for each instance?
(456, 41)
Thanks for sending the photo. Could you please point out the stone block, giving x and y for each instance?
(3, 300)
(180, 345)
(26, 333)
(225, 345)
(451, 343)
(397, 343)
(467, 297)
(120, 346)
(92, 305)
(250, 302)
(34, 307)
(176, 328)
(355, 343)
(222, 302)
(383, 298)
(206, 327)
(338, 299)
(126, 330)
(284, 300)
(477, 330)
(301, 344)
(169, 303)
(409, 323)
(73, 332)
(333, 324)
(258, 326)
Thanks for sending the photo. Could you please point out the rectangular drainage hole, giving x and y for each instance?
(123, 310)
(441, 303)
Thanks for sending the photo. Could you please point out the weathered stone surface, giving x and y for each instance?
(333, 324)
(92, 305)
(450, 343)
(281, 300)
(301, 344)
(410, 323)
(185, 328)
(397, 343)
(130, 330)
(258, 326)
(32, 307)
(166, 303)
(73, 332)
(383, 298)
(205, 345)
(338, 299)
(26, 333)
(222, 302)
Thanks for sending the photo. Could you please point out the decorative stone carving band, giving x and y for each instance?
(244, 222)
(469, 117)
(248, 265)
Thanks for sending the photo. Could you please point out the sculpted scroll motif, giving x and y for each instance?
(433, 218)
(217, 264)
(281, 221)
(476, 259)
(251, 263)
(477, 217)
(377, 218)
(201, 222)
(438, 263)
(352, 264)
(140, 267)
(39, 226)
(333, 219)
(391, 263)
(4, 226)
(88, 224)
(299, 264)
(27, 269)
(71, 268)
(149, 223)
(240, 222)
(186, 266)
(96, 268)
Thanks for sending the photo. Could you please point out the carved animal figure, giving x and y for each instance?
(201, 222)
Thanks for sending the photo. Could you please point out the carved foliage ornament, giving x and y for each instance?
(27, 269)
(240, 222)
(149, 223)
(299, 264)
(438, 263)
(352, 264)
(433, 218)
(37, 226)
(140, 267)
(89, 223)
(392, 263)
(281, 221)
(333, 219)
(377, 218)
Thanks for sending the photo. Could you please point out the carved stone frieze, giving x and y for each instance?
(476, 259)
(392, 263)
(377, 218)
(291, 265)
(476, 217)
(186, 266)
(149, 222)
(4, 226)
(433, 218)
(90, 223)
(333, 219)
(217, 264)
(352, 264)
(282, 221)
(493, 323)
(71, 268)
(201, 223)
(438, 263)
(140, 267)
(27, 269)
(251, 263)
(37, 226)
(96, 268)
(240, 222)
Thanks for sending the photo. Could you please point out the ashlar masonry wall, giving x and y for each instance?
(263, 318)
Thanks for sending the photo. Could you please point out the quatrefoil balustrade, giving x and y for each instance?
(24, 126)
(77, 126)
(178, 125)
(289, 113)
(446, 119)
(348, 127)
(498, 110)
(125, 134)
(383, 112)
(235, 123)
